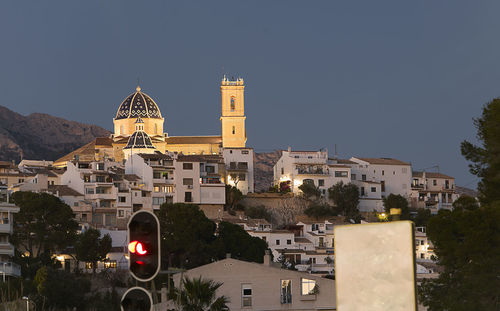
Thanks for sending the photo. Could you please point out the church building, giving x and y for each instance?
(139, 129)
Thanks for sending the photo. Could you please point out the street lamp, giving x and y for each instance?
(27, 303)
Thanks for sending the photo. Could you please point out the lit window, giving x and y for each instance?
(308, 286)
(286, 291)
(246, 295)
(88, 265)
(110, 264)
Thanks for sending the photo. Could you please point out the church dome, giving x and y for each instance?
(137, 105)
(139, 139)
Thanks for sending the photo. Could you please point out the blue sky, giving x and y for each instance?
(396, 79)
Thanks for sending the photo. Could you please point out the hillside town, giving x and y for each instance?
(141, 167)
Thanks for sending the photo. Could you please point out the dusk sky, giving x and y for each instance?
(398, 79)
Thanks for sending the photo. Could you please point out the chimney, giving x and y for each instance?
(267, 258)
(228, 255)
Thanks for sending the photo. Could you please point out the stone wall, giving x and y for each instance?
(282, 207)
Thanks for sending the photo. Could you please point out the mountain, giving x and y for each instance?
(263, 169)
(40, 136)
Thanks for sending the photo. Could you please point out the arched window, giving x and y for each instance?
(233, 105)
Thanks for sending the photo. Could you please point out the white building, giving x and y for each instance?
(253, 286)
(424, 249)
(297, 167)
(239, 168)
(432, 190)
(7, 211)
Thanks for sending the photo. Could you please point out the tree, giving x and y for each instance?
(346, 198)
(467, 246)
(233, 197)
(318, 211)
(257, 212)
(235, 240)
(90, 247)
(61, 290)
(422, 216)
(199, 294)
(486, 157)
(397, 202)
(310, 191)
(465, 202)
(43, 226)
(186, 235)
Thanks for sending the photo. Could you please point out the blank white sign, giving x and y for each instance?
(375, 266)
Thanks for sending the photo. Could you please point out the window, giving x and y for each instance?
(158, 201)
(157, 175)
(234, 130)
(84, 217)
(156, 128)
(88, 265)
(286, 291)
(363, 177)
(362, 190)
(122, 199)
(374, 189)
(122, 130)
(288, 242)
(308, 181)
(187, 166)
(404, 170)
(244, 151)
(421, 242)
(241, 177)
(121, 213)
(75, 203)
(100, 178)
(353, 176)
(382, 185)
(422, 255)
(210, 169)
(277, 242)
(282, 170)
(321, 182)
(233, 104)
(383, 172)
(434, 182)
(308, 286)
(89, 190)
(341, 173)
(187, 181)
(111, 264)
(246, 295)
(100, 190)
(20, 180)
(187, 197)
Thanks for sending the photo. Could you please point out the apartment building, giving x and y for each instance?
(298, 167)
(432, 190)
(239, 168)
(7, 211)
(424, 248)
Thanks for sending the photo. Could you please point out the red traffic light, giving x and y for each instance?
(137, 247)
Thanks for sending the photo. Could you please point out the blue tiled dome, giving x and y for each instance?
(139, 139)
(137, 105)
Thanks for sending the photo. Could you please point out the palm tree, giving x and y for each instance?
(199, 294)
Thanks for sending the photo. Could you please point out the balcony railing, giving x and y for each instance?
(10, 268)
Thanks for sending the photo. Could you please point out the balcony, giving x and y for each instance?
(5, 227)
(6, 249)
(10, 268)
(163, 181)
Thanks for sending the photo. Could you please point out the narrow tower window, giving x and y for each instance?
(234, 130)
(156, 128)
(233, 105)
(121, 130)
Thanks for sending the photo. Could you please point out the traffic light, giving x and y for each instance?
(144, 245)
(136, 299)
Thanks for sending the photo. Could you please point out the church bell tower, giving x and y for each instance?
(233, 113)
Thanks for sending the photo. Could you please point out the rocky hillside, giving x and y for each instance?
(41, 136)
(263, 169)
